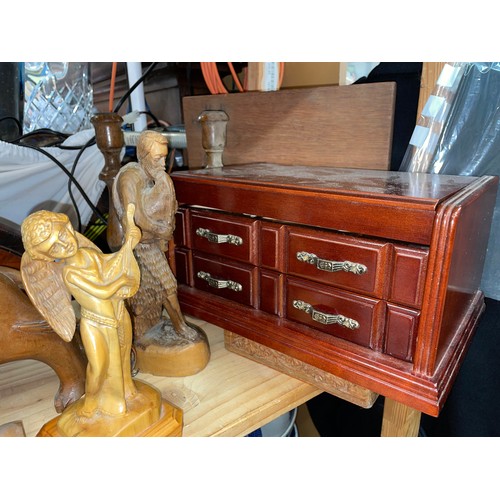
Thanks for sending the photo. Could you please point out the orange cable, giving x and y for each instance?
(215, 84)
(209, 71)
(112, 86)
(205, 76)
(221, 89)
(235, 77)
(282, 73)
(217, 79)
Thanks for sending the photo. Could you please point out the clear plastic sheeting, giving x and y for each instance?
(432, 121)
(356, 70)
(458, 134)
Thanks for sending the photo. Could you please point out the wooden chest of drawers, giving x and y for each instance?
(371, 276)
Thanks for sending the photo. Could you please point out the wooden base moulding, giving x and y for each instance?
(338, 358)
(302, 371)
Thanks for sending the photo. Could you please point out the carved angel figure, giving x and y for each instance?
(59, 263)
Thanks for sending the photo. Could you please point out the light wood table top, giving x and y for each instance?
(232, 396)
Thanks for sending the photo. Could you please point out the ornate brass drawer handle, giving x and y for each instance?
(324, 318)
(219, 238)
(330, 265)
(216, 283)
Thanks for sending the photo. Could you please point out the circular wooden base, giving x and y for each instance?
(158, 418)
(172, 359)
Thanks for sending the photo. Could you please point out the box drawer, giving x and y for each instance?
(224, 235)
(345, 261)
(231, 280)
(336, 312)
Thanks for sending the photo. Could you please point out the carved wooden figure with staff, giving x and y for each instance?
(166, 346)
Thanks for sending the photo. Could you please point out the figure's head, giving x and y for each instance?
(152, 149)
(48, 236)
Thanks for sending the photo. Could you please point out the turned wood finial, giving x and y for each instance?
(214, 124)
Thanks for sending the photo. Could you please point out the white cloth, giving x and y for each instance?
(30, 181)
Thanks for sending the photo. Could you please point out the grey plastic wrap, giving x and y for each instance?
(458, 134)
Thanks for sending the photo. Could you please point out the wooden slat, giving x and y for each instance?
(399, 420)
(318, 126)
(430, 74)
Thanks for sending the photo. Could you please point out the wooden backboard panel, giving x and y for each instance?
(337, 126)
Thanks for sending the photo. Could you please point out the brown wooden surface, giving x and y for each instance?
(240, 273)
(393, 205)
(414, 355)
(339, 247)
(9, 259)
(455, 268)
(225, 225)
(306, 126)
(25, 334)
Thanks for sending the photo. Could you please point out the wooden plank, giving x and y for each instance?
(334, 126)
(399, 420)
(233, 395)
(428, 79)
(27, 394)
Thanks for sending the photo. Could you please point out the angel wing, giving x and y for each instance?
(45, 287)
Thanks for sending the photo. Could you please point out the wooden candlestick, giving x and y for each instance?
(110, 141)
